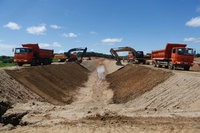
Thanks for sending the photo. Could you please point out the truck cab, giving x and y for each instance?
(33, 55)
(23, 55)
(174, 55)
(182, 57)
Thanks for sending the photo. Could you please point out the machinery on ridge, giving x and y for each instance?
(71, 55)
(133, 55)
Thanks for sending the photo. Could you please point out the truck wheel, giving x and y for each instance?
(49, 61)
(171, 65)
(187, 68)
(33, 62)
(158, 64)
(154, 63)
(20, 64)
(45, 62)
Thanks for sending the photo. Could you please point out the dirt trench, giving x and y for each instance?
(140, 93)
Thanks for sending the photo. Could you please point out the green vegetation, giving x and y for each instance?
(197, 55)
(6, 61)
(55, 60)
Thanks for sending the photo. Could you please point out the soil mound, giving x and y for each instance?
(131, 81)
(56, 83)
(13, 91)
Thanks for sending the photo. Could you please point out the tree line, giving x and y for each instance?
(6, 59)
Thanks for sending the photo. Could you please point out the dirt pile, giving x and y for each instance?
(133, 80)
(55, 83)
(173, 105)
(13, 92)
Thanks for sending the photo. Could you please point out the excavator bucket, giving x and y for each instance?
(119, 63)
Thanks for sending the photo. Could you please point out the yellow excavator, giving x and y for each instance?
(133, 55)
(71, 55)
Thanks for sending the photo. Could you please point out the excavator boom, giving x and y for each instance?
(122, 49)
(135, 56)
(71, 56)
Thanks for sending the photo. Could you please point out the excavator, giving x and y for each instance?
(71, 55)
(133, 55)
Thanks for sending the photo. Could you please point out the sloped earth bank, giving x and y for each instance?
(171, 106)
(134, 80)
(55, 83)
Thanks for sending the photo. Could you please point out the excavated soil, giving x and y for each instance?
(55, 83)
(148, 99)
(133, 80)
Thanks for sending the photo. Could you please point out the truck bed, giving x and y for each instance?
(165, 54)
(42, 53)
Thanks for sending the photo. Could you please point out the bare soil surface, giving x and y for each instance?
(130, 98)
(134, 80)
(55, 83)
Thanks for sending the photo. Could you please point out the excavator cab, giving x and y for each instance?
(131, 55)
(72, 55)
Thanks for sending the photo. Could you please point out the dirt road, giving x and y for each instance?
(171, 106)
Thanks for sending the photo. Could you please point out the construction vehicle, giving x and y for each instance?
(174, 56)
(32, 54)
(71, 55)
(133, 55)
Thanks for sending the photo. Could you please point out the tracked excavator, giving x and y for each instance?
(133, 55)
(71, 55)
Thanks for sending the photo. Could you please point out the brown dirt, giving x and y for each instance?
(55, 83)
(169, 101)
(132, 81)
(13, 92)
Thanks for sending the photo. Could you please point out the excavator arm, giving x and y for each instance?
(72, 58)
(121, 49)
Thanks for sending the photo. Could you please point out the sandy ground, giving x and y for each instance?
(170, 107)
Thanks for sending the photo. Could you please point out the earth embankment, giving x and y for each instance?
(132, 81)
(55, 83)
(148, 99)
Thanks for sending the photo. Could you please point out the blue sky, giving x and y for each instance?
(99, 24)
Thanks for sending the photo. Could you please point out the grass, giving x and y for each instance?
(6, 64)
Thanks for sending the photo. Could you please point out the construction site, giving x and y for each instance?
(69, 97)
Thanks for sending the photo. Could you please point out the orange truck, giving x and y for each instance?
(32, 54)
(174, 56)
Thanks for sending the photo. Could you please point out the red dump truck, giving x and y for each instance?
(174, 56)
(32, 54)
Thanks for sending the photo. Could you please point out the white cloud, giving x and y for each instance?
(37, 30)
(55, 27)
(192, 39)
(194, 22)
(56, 44)
(69, 35)
(12, 26)
(93, 32)
(43, 45)
(111, 41)
(92, 50)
